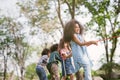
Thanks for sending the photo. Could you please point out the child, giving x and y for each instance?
(73, 34)
(40, 68)
(52, 65)
(67, 63)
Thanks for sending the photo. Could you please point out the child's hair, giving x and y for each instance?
(54, 47)
(61, 43)
(45, 51)
(69, 30)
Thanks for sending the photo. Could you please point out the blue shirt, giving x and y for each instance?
(80, 54)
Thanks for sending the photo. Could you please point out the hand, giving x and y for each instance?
(95, 42)
(64, 56)
(92, 42)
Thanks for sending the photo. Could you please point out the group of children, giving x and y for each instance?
(71, 52)
(58, 53)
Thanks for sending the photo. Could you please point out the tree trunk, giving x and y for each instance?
(5, 67)
(73, 9)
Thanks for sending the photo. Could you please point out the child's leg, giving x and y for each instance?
(72, 77)
(41, 73)
(78, 75)
(63, 77)
(87, 72)
(55, 72)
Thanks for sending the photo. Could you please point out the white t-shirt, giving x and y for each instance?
(43, 60)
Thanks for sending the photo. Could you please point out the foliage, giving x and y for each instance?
(39, 14)
(105, 17)
(115, 66)
(12, 45)
(6, 41)
(30, 71)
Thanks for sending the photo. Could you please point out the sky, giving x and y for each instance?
(9, 8)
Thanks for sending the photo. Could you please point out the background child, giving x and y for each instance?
(67, 63)
(52, 66)
(41, 65)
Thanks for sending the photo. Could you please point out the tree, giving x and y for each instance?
(13, 48)
(105, 14)
(42, 16)
(5, 43)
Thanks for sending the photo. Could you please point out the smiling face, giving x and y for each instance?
(77, 28)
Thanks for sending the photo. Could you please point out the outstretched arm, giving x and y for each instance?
(76, 40)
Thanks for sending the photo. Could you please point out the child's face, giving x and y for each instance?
(77, 29)
(65, 44)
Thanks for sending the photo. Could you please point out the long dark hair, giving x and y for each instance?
(69, 30)
(61, 44)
